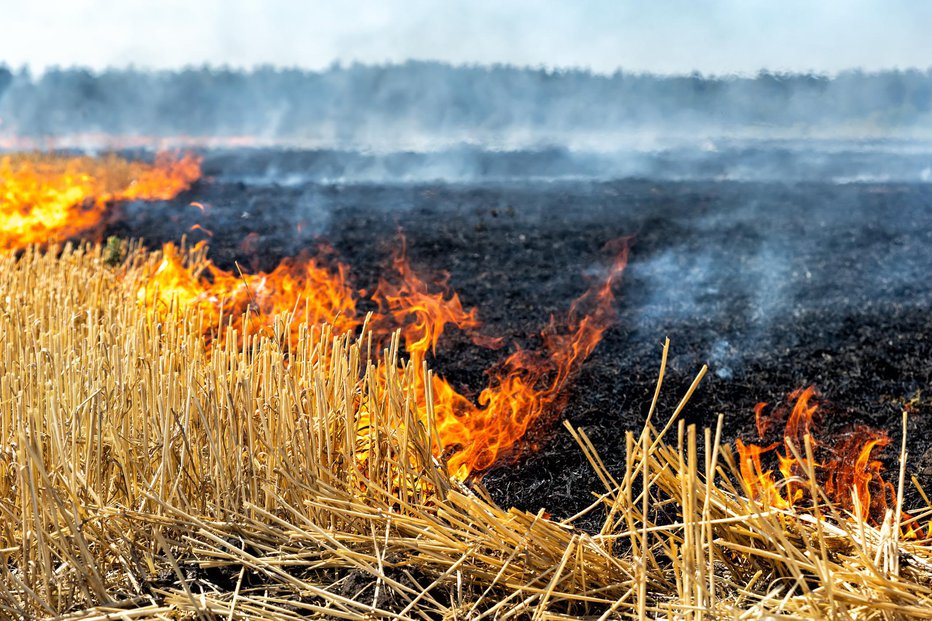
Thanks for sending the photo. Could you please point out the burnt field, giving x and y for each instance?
(775, 285)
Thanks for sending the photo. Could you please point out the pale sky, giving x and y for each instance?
(663, 36)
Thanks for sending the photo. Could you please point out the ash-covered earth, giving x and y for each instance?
(775, 280)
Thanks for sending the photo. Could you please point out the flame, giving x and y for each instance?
(847, 469)
(46, 198)
(759, 481)
(51, 197)
(526, 386)
(530, 384)
(302, 288)
(853, 470)
(422, 315)
(174, 283)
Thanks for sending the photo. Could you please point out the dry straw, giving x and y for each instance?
(146, 476)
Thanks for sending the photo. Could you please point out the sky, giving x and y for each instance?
(661, 36)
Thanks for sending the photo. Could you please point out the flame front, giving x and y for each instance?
(474, 434)
(300, 288)
(50, 198)
(527, 385)
(46, 198)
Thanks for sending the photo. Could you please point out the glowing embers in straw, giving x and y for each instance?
(847, 470)
(46, 197)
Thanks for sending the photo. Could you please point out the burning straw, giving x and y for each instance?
(145, 475)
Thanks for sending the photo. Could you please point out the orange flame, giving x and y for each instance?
(526, 386)
(301, 288)
(530, 384)
(422, 315)
(847, 470)
(46, 198)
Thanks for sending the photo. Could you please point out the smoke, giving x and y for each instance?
(759, 260)
(421, 106)
(746, 161)
(423, 121)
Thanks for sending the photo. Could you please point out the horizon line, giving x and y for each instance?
(343, 64)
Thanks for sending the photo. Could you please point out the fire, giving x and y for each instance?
(45, 198)
(529, 384)
(759, 481)
(847, 470)
(422, 315)
(50, 197)
(526, 386)
(474, 434)
(177, 284)
(300, 288)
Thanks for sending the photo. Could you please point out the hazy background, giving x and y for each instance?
(661, 36)
(723, 89)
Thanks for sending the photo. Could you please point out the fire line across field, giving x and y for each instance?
(775, 285)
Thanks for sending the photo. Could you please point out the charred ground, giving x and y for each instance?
(774, 285)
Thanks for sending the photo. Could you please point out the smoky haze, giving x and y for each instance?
(399, 105)
(428, 120)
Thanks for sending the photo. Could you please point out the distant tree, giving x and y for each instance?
(6, 78)
(350, 104)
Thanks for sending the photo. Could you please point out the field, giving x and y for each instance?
(165, 459)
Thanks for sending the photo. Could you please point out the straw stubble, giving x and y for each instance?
(147, 474)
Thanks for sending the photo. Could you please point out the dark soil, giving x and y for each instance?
(775, 286)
